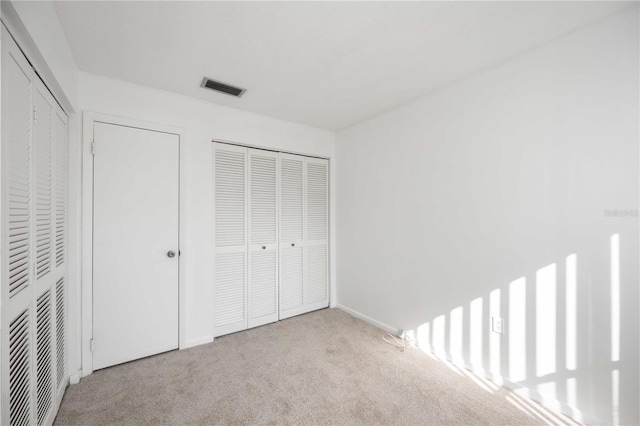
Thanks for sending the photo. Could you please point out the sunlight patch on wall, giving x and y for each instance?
(475, 332)
(494, 338)
(423, 336)
(546, 320)
(548, 393)
(439, 325)
(615, 396)
(455, 334)
(571, 318)
(615, 297)
(517, 330)
(572, 392)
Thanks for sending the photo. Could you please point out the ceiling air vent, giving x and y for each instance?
(221, 87)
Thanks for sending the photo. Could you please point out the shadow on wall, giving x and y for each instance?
(537, 336)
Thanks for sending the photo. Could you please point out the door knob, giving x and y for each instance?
(264, 247)
(171, 253)
(293, 244)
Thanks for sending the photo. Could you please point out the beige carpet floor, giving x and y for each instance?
(325, 367)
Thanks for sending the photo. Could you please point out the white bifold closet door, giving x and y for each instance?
(304, 237)
(271, 236)
(33, 376)
(263, 237)
(292, 231)
(230, 238)
(317, 234)
(245, 237)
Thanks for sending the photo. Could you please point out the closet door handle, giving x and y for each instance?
(293, 244)
(264, 247)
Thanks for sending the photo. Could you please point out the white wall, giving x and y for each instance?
(203, 121)
(455, 196)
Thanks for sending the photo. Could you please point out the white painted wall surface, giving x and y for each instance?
(444, 202)
(203, 121)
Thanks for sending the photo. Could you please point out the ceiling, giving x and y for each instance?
(325, 64)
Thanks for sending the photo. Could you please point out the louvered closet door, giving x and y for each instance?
(230, 177)
(33, 239)
(263, 237)
(291, 235)
(17, 237)
(317, 234)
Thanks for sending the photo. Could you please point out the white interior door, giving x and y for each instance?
(135, 243)
(291, 235)
(263, 232)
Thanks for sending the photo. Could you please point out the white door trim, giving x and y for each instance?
(88, 120)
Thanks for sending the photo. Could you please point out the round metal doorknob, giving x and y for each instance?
(293, 244)
(264, 247)
(171, 253)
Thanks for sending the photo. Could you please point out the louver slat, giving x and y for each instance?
(18, 175)
(19, 371)
(60, 330)
(44, 365)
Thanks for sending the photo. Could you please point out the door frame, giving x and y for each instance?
(86, 326)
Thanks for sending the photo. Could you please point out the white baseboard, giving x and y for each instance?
(368, 319)
(552, 404)
(203, 340)
(74, 379)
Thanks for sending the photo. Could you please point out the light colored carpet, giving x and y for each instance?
(325, 367)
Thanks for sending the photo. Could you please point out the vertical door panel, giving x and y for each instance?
(291, 235)
(16, 155)
(230, 238)
(317, 241)
(263, 231)
(60, 180)
(42, 137)
(135, 288)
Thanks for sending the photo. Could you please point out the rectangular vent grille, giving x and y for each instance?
(222, 88)
(60, 329)
(19, 369)
(44, 365)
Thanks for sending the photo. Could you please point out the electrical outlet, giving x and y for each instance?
(497, 325)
